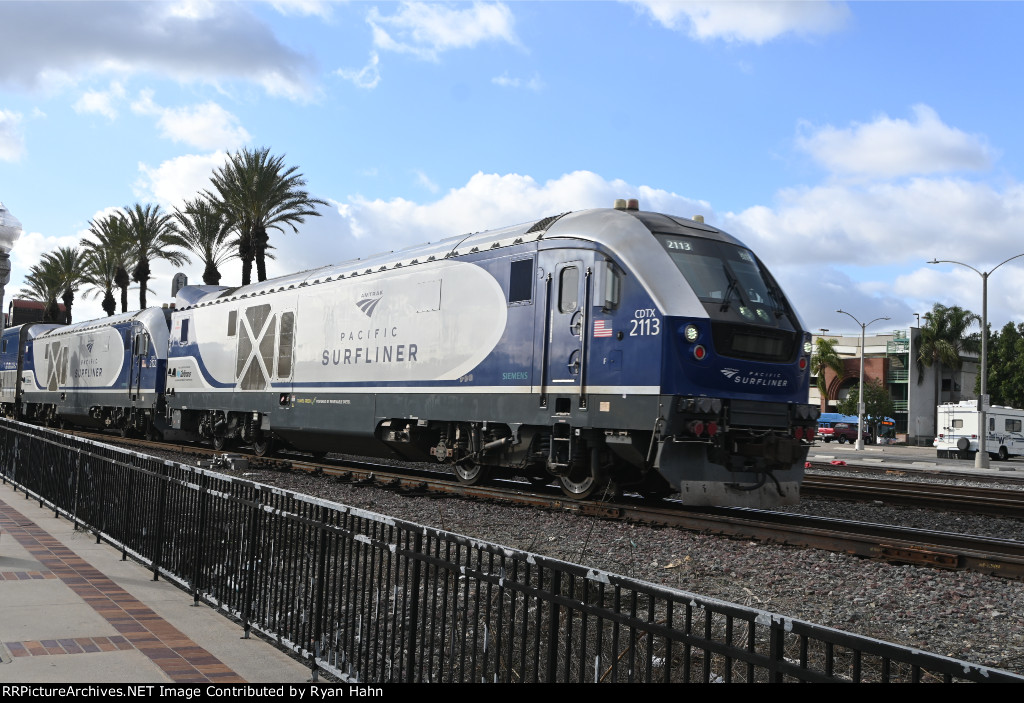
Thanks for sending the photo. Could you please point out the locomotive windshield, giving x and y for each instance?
(719, 272)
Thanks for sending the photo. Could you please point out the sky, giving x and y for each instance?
(846, 143)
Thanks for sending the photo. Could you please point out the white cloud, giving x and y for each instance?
(424, 180)
(205, 126)
(366, 77)
(861, 236)
(890, 148)
(190, 42)
(360, 227)
(304, 8)
(101, 102)
(505, 81)
(425, 29)
(745, 21)
(12, 143)
(891, 223)
(179, 179)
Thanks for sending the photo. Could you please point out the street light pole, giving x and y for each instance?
(10, 230)
(981, 458)
(860, 400)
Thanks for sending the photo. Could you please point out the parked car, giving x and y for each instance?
(841, 432)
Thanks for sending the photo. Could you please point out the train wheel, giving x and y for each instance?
(472, 474)
(219, 442)
(580, 484)
(263, 446)
(539, 480)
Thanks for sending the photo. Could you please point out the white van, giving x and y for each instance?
(958, 431)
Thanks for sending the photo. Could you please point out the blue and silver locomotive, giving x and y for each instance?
(108, 373)
(596, 349)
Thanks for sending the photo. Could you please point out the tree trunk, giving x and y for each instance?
(109, 304)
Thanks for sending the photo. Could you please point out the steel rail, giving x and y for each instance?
(999, 502)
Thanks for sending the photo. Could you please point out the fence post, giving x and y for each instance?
(101, 521)
(414, 606)
(158, 550)
(321, 578)
(250, 570)
(200, 543)
(128, 523)
(552, 667)
(776, 650)
(77, 486)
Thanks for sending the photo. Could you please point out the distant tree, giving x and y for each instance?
(113, 236)
(825, 357)
(43, 284)
(878, 404)
(945, 337)
(101, 275)
(258, 193)
(206, 231)
(68, 264)
(155, 238)
(1005, 370)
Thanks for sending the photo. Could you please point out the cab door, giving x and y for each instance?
(137, 360)
(565, 329)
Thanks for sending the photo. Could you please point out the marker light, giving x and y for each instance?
(697, 427)
(803, 363)
(807, 347)
(699, 352)
(711, 428)
(691, 333)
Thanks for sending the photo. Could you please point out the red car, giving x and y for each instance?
(841, 432)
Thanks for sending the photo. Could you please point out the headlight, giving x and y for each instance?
(691, 333)
(807, 347)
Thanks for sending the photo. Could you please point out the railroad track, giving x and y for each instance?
(997, 502)
(998, 557)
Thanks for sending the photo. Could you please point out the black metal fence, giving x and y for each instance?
(376, 600)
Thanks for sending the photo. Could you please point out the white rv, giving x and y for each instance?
(958, 431)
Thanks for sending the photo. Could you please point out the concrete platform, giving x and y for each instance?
(72, 612)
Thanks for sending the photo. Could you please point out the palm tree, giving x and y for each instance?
(155, 238)
(68, 264)
(43, 283)
(206, 231)
(102, 265)
(825, 357)
(944, 340)
(114, 237)
(257, 193)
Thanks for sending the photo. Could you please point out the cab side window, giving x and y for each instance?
(568, 289)
(520, 281)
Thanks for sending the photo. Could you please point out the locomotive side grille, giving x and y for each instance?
(542, 225)
(754, 343)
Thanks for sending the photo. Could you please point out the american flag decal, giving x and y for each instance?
(602, 328)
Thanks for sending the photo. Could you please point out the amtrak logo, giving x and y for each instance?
(368, 305)
(88, 346)
(763, 379)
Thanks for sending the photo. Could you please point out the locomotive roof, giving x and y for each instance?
(624, 232)
(153, 319)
